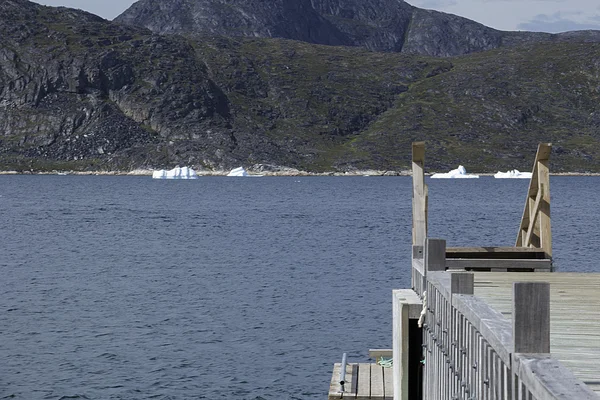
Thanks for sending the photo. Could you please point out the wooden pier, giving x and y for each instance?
(488, 322)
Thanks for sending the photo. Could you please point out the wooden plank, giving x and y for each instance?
(474, 264)
(334, 386)
(350, 382)
(494, 252)
(363, 388)
(388, 384)
(377, 382)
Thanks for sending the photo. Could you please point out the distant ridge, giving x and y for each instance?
(377, 25)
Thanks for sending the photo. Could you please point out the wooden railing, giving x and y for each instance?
(534, 230)
(472, 352)
(533, 249)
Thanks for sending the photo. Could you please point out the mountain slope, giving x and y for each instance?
(377, 25)
(78, 92)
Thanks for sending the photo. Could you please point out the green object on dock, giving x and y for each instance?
(386, 362)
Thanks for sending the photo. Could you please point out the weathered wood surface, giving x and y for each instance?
(547, 378)
(406, 305)
(364, 381)
(534, 230)
(475, 264)
(350, 382)
(495, 252)
(435, 255)
(574, 315)
(531, 317)
(419, 198)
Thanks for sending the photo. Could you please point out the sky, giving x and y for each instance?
(508, 15)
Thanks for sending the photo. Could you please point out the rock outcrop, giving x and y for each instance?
(81, 93)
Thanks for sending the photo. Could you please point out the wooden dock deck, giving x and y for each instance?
(364, 381)
(488, 323)
(574, 315)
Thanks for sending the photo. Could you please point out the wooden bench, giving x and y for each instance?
(363, 381)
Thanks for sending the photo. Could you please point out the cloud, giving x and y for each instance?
(560, 22)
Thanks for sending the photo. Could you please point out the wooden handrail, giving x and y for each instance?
(534, 230)
(471, 349)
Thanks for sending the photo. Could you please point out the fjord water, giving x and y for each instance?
(217, 288)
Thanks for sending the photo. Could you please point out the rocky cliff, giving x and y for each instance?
(78, 92)
(377, 25)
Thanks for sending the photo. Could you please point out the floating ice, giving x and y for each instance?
(512, 174)
(240, 171)
(459, 172)
(175, 173)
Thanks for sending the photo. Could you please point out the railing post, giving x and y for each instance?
(462, 283)
(435, 255)
(419, 197)
(531, 317)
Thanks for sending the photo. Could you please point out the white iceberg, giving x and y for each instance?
(459, 173)
(512, 174)
(240, 171)
(175, 173)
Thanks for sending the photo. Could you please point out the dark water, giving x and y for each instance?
(247, 288)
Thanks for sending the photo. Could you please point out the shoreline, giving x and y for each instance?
(286, 172)
(202, 173)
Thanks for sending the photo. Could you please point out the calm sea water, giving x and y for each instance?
(133, 288)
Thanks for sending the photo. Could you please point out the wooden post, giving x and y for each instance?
(462, 283)
(406, 305)
(531, 317)
(419, 197)
(435, 255)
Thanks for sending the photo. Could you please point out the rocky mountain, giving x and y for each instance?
(377, 25)
(81, 93)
